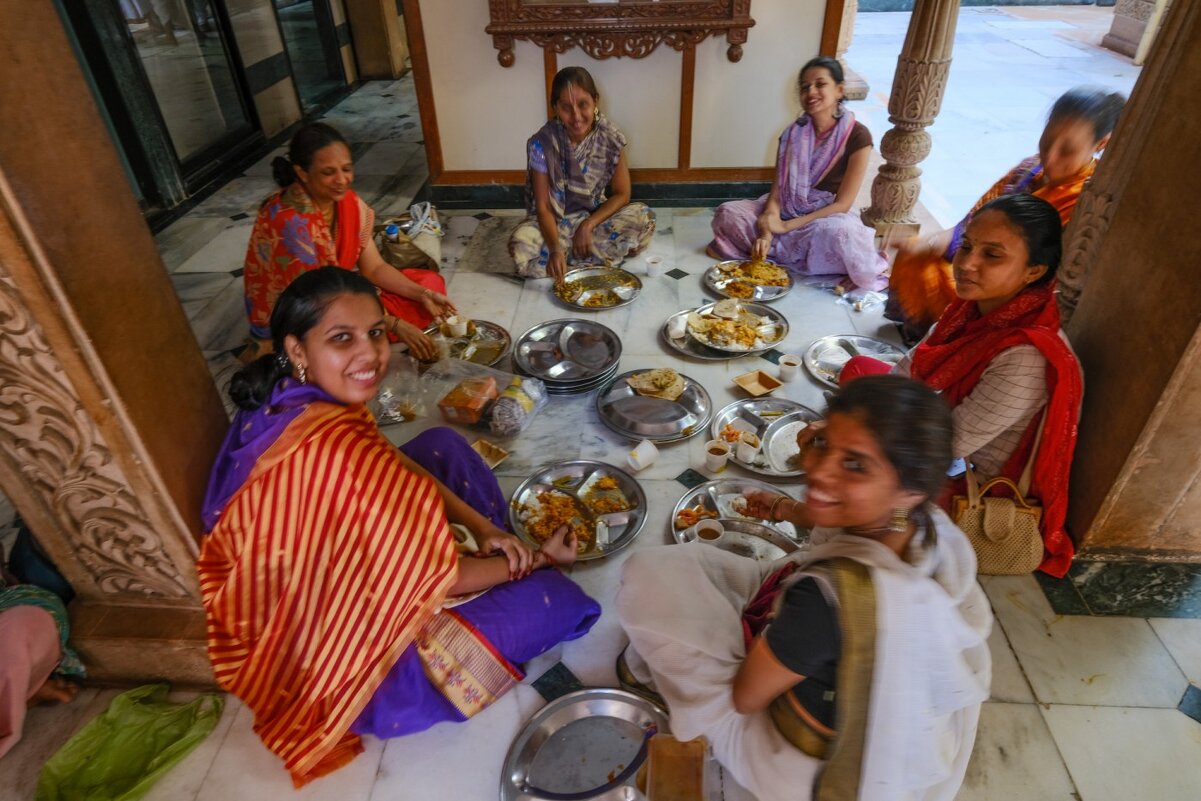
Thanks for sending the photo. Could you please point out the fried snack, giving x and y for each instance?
(689, 516)
(729, 433)
(662, 382)
(761, 273)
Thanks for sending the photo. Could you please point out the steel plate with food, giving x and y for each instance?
(826, 356)
(602, 504)
(656, 404)
(736, 327)
(724, 500)
(774, 424)
(596, 288)
(484, 343)
(760, 281)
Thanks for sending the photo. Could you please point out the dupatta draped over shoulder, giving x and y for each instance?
(321, 568)
(290, 237)
(578, 174)
(959, 350)
(923, 285)
(803, 160)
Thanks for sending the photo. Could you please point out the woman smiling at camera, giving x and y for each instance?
(317, 220)
(330, 564)
(852, 669)
(572, 160)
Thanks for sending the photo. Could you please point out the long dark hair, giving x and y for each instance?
(298, 309)
(1040, 227)
(304, 146)
(912, 425)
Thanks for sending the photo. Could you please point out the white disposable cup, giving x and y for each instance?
(654, 266)
(643, 456)
(748, 448)
(457, 326)
(442, 345)
(717, 453)
(709, 531)
(790, 367)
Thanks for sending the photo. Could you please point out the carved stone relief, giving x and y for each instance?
(62, 458)
(1085, 233)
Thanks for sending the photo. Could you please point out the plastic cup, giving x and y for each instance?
(654, 266)
(748, 447)
(457, 326)
(790, 367)
(709, 531)
(643, 456)
(717, 453)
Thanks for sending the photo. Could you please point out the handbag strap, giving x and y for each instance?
(1023, 485)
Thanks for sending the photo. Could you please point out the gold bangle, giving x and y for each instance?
(771, 515)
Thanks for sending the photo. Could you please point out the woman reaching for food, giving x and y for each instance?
(573, 159)
(806, 222)
(852, 669)
(316, 220)
(330, 567)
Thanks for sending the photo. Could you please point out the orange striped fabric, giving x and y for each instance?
(322, 569)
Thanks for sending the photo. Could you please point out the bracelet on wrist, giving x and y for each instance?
(775, 505)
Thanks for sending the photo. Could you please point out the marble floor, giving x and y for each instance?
(1083, 707)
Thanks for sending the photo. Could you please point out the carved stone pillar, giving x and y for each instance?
(108, 415)
(1130, 18)
(916, 98)
(856, 87)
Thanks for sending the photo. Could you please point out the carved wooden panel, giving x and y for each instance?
(627, 28)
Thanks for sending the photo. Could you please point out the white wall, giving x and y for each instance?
(486, 112)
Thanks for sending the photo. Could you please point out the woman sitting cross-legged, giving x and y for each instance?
(806, 222)
(316, 219)
(1000, 359)
(573, 159)
(330, 568)
(854, 668)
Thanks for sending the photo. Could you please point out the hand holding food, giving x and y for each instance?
(419, 344)
(437, 304)
(761, 503)
(562, 547)
(556, 265)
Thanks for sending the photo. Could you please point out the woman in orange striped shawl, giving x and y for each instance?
(1078, 128)
(330, 561)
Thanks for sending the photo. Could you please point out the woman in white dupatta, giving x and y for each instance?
(854, 669)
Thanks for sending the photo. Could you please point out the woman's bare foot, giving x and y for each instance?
(711, 253)
(55, 690)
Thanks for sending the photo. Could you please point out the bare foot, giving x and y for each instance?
(713, 254)
(55, 691)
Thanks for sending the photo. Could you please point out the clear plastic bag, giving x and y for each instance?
(401, 396)
(863, 299)
(506, 413)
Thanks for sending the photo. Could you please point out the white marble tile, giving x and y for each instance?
(46, 729)
(262, 167)
(1015, 758)
(385, 158)
(186, 237)
(1119, 754)
(221, 323)
(1008, 681)
(240, 196)
(1111, 661)
(1182, 638)
(187, 778)
(225, 252)
(483, 296)
(244, 768)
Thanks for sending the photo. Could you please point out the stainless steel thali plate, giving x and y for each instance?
(773, 329)
(608, 504)
(776, 421)
(688, 346)
(586, 744)
(720, 276)
(826, 356)
(721, 497)
(597, 288)
(659, 420)
(488, 345)
(567, 351)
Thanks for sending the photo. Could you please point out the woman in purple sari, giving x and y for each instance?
(806, 223)
(337, 603)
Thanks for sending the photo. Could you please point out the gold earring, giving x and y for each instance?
(301, 376)
(899, 521)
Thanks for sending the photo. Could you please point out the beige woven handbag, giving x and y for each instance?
(1004, 532)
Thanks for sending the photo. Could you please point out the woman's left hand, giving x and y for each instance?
(581, 243)
(495, 542)
(437, 304)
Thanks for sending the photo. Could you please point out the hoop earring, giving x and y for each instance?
(840, 109)
(899, 521)
(301, 374)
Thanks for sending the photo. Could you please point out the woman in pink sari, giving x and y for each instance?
(806, 222)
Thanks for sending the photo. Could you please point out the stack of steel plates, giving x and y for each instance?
(568, 356)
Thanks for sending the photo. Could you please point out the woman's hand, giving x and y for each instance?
(581, 243)
(759, 503)
(437, 304)
(560, 548)
(496, 542)
(556, 265)
(419, 344)
(806, 436)
(761, 248)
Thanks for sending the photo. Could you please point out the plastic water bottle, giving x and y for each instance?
(392, 232)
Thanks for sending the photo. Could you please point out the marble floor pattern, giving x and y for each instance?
(1082, 708)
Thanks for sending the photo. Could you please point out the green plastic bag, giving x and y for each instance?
(123, 752)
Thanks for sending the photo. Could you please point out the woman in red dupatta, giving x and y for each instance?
(316, 220)
(1079, 126)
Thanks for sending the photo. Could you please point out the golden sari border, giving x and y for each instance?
(462, 664)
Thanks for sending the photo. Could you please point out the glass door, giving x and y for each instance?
(312, 44)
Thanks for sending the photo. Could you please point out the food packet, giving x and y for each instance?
(400, 395)
(518, 401)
